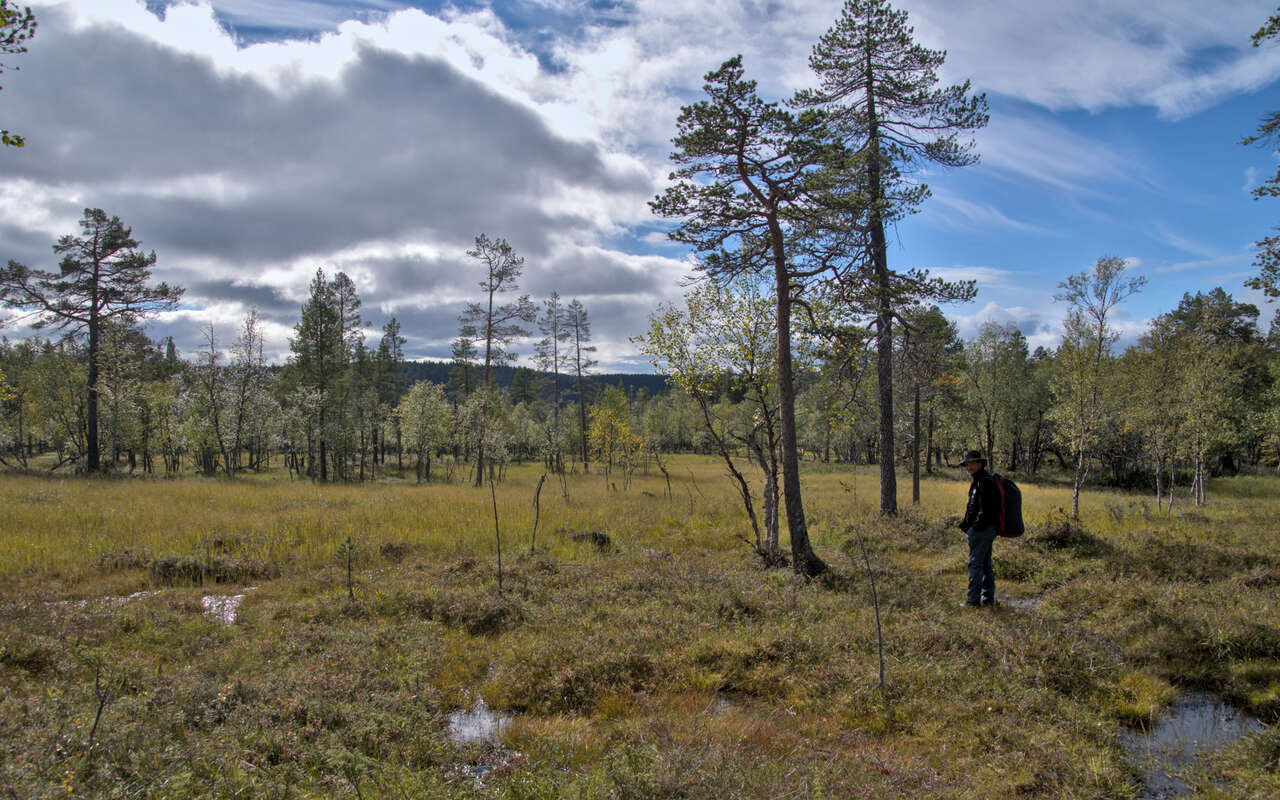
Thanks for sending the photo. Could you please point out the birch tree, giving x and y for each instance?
(1081, 380)
(249, 402)
(552, 355)
(424, 420)
(728, 330)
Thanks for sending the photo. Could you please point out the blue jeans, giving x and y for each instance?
(982, 575)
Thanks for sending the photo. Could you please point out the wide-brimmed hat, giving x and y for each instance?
(973, 455)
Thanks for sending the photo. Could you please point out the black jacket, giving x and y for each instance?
(983, 510)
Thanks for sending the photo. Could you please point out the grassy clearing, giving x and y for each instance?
(667, 665)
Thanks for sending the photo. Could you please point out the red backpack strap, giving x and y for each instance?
(999, 482)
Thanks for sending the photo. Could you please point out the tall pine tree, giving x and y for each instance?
(101, 280)
(882, 90)
(551, 355)
(581, 361)
(1268, 260)
(495, 324)
(742, 194)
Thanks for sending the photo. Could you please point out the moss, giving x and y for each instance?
(1138, 698)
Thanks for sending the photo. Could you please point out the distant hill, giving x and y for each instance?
(438, 372)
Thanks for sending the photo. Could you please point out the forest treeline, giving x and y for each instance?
(1200, 388)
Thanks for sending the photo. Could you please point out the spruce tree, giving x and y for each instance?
(319, 359)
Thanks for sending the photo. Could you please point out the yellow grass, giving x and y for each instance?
(63, 525)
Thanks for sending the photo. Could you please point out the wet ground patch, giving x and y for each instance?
(1168, 751)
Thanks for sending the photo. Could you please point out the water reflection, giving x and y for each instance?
(1196, 725)
(478, 725)
(224, 607)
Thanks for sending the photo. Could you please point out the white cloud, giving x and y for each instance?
(1167, 235)
(384, 142)
(1178, 56)
(1214, 263)
(1036, 147)
(1250, 180)
(953, 211)
(1042, 326)
(985, 276)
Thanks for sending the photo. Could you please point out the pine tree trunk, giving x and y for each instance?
(884, 318)
(91, 412)
(915, 446)
(928, 459)
(582, 420)
(804, 561)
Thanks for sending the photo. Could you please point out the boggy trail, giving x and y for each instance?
(1194, 726)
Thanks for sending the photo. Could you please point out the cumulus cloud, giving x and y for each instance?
(245, 179)
(251, 141)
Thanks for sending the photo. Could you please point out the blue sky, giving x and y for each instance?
(251, 141)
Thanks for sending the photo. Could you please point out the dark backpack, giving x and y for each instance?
(1010, 507)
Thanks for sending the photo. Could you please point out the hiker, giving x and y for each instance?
(981, 524)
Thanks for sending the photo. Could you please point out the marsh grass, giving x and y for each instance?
(670, 664)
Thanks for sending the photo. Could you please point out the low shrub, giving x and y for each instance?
(478, 613)
(32, 658)
(1060, 532)
(561, 684)
(395, 552)
(1138, 697)
(1016, 564)
(602, 541)
(1256, 685)
(181, 570)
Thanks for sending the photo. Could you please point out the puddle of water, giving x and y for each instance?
(1029, 603)
(477, 725)
(224, 607)
(1196, 725)
(109, 601)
